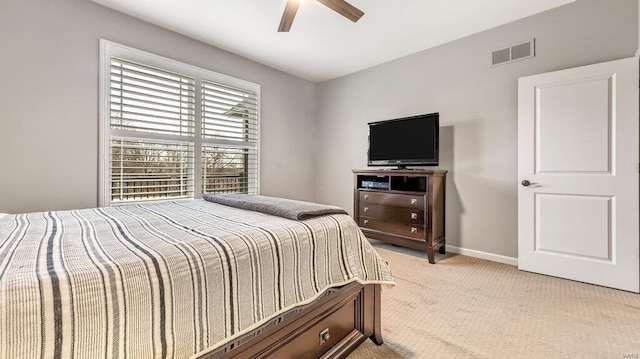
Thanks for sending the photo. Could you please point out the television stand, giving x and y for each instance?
(402, 207)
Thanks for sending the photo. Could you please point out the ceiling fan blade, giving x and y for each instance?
(289, 14)
(343, 8)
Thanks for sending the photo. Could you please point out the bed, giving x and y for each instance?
(185, 279)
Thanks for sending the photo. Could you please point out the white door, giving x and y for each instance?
(578, 134)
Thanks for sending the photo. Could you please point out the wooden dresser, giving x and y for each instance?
(403, 207)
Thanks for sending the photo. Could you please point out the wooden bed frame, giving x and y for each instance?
(330, 327)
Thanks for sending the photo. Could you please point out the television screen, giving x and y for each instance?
(404, 141)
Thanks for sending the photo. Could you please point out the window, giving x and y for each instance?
(229, 132)
(170, 130)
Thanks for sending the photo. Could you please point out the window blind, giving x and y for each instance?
(146, 101)
(171, 130)
(229, 113)
(150, 169)
(227, 169)
(230, 139)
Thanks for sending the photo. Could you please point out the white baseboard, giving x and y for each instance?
(483, 255)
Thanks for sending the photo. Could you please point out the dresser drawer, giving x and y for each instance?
(311, 343)
(392, 213)
(401, 229)
(393, 199)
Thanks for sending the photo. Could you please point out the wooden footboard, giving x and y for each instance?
(330, 327)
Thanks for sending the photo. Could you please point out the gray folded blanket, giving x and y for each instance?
(281, 207)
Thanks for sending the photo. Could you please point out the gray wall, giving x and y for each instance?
(49, 103)
(478, 111)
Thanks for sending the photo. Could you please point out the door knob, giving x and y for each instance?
(526, 183)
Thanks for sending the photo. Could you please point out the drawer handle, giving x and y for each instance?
(366, 196)
(414, 216)
(324, 336)
(366, 209)
(414, 201)
(366, 221)
(414, 230)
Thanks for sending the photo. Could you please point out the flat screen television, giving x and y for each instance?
(408, 141)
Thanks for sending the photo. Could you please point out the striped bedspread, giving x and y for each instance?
(164, 280)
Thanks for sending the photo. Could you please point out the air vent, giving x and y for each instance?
(501, 56)
(523, 50)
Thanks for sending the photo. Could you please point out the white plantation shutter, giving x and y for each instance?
(230, 139)
(160, 117)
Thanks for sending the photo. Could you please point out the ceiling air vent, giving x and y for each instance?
(523, 50)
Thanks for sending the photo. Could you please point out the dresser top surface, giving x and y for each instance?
(395, 172)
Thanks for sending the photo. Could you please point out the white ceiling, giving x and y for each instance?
(322, 44)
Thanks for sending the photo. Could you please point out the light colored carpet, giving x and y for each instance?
(463, 307)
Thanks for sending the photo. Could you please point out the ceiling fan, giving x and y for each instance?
(340, 6)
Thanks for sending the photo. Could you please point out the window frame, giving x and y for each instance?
(109, 49)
